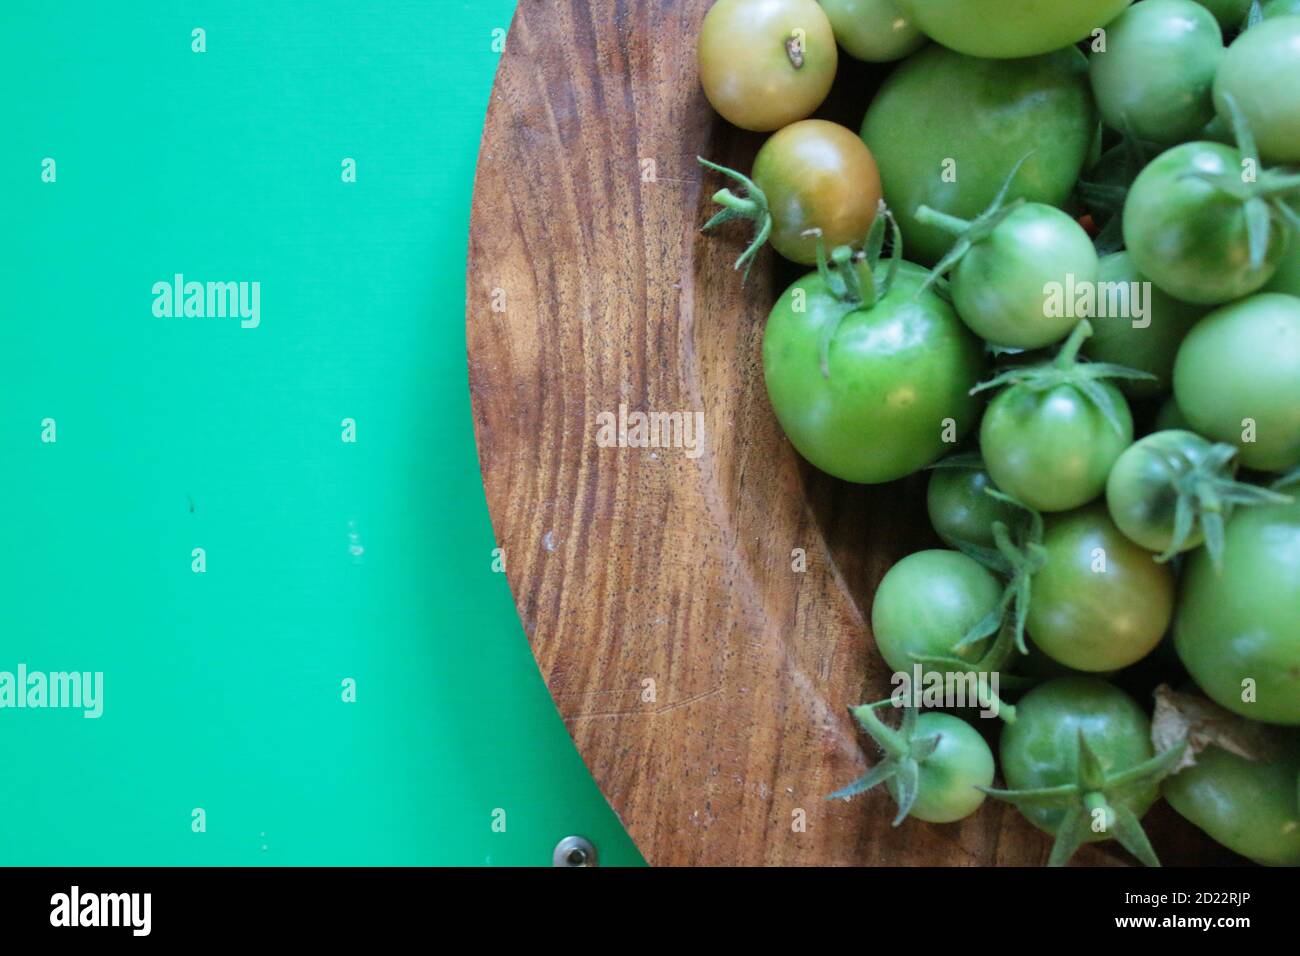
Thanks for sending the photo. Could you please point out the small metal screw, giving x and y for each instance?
(574, 851)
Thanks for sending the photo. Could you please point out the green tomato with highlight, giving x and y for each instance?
(1188, 235)
(950, 778)
(1238, 631)
(988, 28)
(1041, 748)
(1262, 72)
(898, 375)
(1154, 77)
(1010, 287)
(873, 30)
(1052, 449)
(960, 508)
(1237, 379)
(927, 602)
(1249, 806)
(946, 129)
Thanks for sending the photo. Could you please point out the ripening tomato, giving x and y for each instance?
(1099, 602)
(766, 63)
(817, 175)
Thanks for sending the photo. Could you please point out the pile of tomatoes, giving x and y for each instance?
(1057, 271)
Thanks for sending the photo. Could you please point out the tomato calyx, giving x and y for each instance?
(1206, 492)
(752, 205)
(1264, 194)
(1093, 802)
(904, 752)
(1066, 370)
(993, 661)
(857, 282)
(1017, 560)
(970, 231)
(1105, 200)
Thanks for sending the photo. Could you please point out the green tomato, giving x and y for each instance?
(927, 602)
(1238, 632)
(1190, 236)
(1231, 14)
(950, 777)
(947, 128)
(1157, 69)
(1052, 449)
(1009, 287)
(933, 764)
(961, 511)
(1280, 8)
(1099, 602)
(987, 28)
(1249, 806)
(899, 380)
(1170, 417)
(1287, 278)
(1262, 72)
(872, 30)
(1237, 379)
(817, 175)
(1041, 748)
(1217, 131)
(766, 63)
(1148, 341)
(1142, 490)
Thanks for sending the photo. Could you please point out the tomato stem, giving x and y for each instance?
(1069, 352)
(953, 225)
(970, 232)
(752, 206)
(891, 741)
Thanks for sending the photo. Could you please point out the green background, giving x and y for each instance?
(325, 560)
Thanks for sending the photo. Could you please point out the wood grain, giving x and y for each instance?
(589, 285)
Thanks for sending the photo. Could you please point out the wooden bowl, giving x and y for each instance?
(704, 679)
